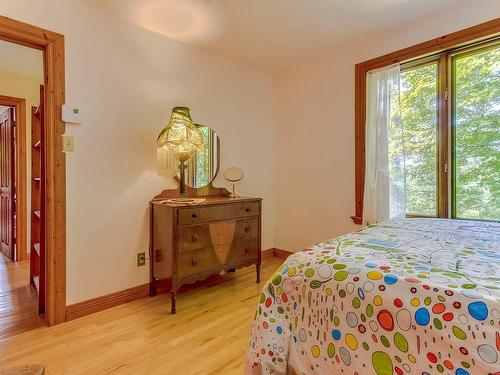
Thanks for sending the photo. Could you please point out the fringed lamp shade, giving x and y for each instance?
(178, 141)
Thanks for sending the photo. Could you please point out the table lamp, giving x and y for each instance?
(176, 144)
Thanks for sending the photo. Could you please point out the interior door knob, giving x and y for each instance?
(194, 262)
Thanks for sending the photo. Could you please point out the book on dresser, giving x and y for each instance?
(192, 242)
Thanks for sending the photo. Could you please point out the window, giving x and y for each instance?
(450, 116)
(474, 128)
(476, 134)
(419, 118)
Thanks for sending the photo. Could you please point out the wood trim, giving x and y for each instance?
(434, 46)
(21, 182)
(97, 304)
(52, 45)
(276, 253)
(282, 254)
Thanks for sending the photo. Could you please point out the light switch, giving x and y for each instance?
(68, 144)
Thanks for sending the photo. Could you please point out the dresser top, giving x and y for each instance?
(209, 200)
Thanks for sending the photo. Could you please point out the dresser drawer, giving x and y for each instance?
(196, 261)
(197, 215)
(194, 237)
(246, 241)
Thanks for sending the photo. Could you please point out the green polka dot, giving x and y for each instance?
(342, 293)
(339, 266)
(331, 350)
(356, 303)
(400, 342)
(427, 301)
(309, 272)
(384, 341)
(382, 363)
(438, 324)
(340, 275)
(459, 333)
(369, 310)
(262, 298)
(276, 280)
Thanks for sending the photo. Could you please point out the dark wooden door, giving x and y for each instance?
(7, 182)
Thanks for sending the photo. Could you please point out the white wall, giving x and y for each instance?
(314, 195)
(125, 81)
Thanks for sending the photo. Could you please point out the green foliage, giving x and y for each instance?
(477, 135)
(419, 119)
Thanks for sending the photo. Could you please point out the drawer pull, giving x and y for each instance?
(247, 209)
(194, 216)
(247, 250)
(247, 229)
(194, 238)
(194, 262)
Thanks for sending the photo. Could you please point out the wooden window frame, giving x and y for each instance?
(52, 45)
(431, 47)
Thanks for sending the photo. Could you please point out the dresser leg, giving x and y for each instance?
(173, 300)
(258, 272)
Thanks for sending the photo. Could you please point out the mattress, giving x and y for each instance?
(409, 296)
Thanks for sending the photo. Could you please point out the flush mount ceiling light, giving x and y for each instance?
(184, 20)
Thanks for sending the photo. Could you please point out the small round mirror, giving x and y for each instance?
(203, 166)
(233, 175)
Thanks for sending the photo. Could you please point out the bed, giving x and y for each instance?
(409, 296)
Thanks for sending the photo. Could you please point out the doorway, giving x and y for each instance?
(21, 297)
(51, 180)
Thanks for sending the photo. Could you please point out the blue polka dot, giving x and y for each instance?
(371, 265)
(422, 268)
(336, 334)
(279, 330)
(461, 371)
(390, 279)
(422, 316)
(361, 294)
(478, 310)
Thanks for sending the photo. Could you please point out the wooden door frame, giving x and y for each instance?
(52, 45)
(19, 105)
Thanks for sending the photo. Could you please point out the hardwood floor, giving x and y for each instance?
(208, 335)
(18, 300)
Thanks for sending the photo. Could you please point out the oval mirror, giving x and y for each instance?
(204, 165)
(233, 175)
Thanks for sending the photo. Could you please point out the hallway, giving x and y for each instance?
(18, 299)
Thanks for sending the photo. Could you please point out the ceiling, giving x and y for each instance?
(20, 59)
(269, 34)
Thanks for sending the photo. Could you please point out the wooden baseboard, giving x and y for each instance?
(282, 254)
(97, 304)
(276, 253)
(94, 305)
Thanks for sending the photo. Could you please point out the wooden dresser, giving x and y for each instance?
(190, 243)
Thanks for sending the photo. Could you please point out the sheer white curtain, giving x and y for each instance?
(384, 195)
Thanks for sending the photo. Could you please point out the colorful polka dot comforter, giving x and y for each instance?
(411, 296)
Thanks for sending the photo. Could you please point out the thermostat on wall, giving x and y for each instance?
(70, 114)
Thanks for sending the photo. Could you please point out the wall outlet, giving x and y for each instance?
(141, 259)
